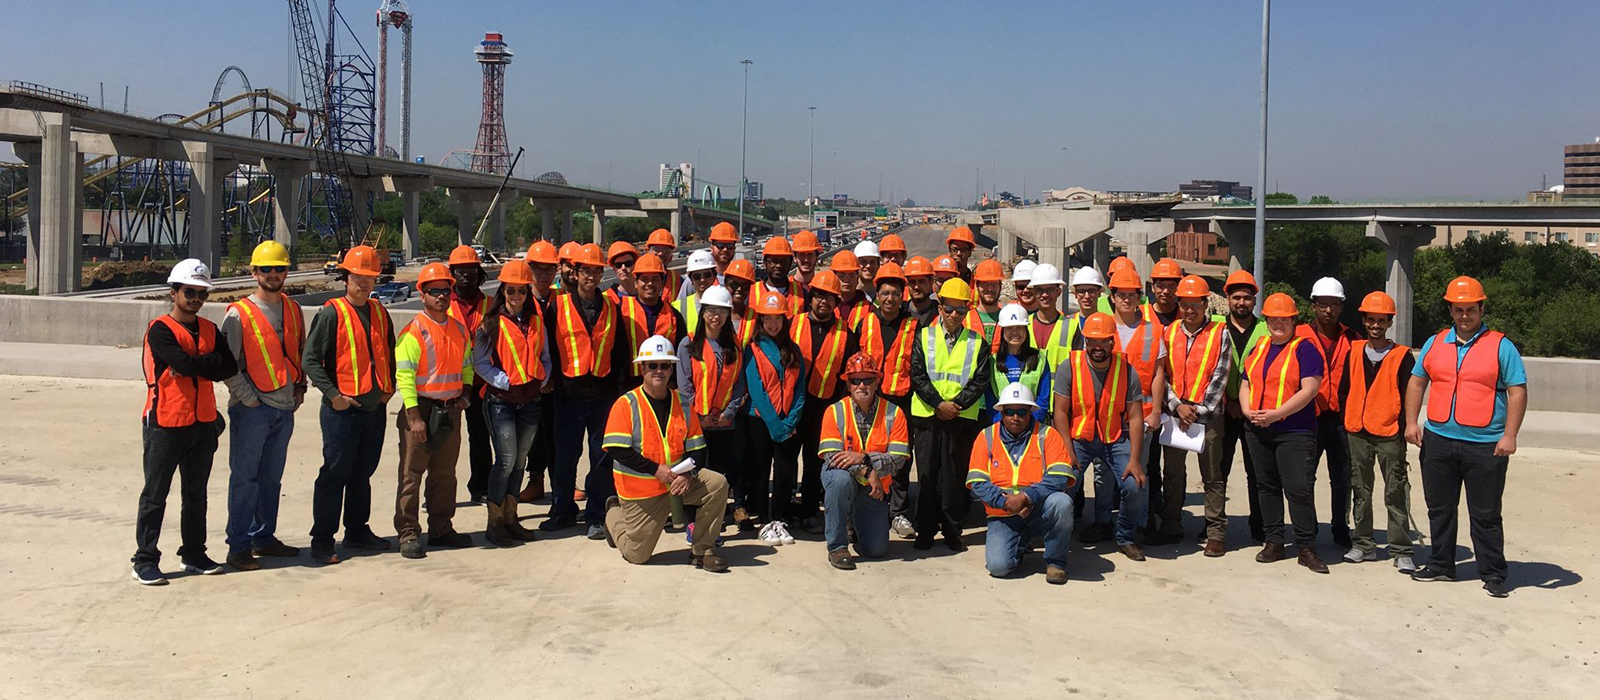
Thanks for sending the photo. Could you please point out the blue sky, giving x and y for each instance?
(1395, 100)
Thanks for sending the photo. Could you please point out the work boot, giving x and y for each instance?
(366, 539)
(1131, 551)
(275, 548)
(449, 539)
(710, 562)
(1310, 560)
(1216, 548)
(514, 528)
(1270, 552)
(840, 559)
(243, 561)
(411, 548)
(532, 492)
(1055, 575)
(495, 530)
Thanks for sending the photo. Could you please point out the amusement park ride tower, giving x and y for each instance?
(491, 154)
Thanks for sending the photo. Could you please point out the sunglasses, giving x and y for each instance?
(954, 309)
(437, 291)
(1015, 412)
(658, 366)
(200, 294)
(737, 286)
(723, 246)
(861, 381)
(518, 290)
(701, 276)
(622, 263)
(271, 269)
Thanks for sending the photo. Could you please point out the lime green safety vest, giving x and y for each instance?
(1257, 333)
(1029, 378)
(689, 306)
(949, 368)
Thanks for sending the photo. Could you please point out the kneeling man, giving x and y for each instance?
(1021, 470)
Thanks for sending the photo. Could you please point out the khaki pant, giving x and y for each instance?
(428, 473)
(1390, 454)
(636, 525)
(1213, 476)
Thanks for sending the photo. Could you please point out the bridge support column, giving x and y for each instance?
(497, 227)
(1100, 248)
(676, 227)
(360, 209)
(566, 226)
(1141, 236)
(205, 202)
(547, 223)
(1051, 248)
(1005, 249)
(31, 155)
(1401, 242)
(411, 223)
(466, 222)
(287, 176)
(599, 235)
(60, 208)
(1240, 237)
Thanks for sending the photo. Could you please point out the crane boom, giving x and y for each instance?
(316, 80)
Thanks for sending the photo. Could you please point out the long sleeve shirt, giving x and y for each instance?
(407, 355)
(318, 355)
(216, 366)
(1216, 386)
(240, 389)
(779, 427)
(1016, 445)
(686, 388)
(882, 463)
(486, 359)
(971, 393)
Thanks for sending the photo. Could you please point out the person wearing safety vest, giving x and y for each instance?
(1199, 355)
(567, 271)
(1372, 392)
(589, 349)
(724, 240)
(960, 244)
(349, 357)
(892, 248)
(776, 257)
(1476, 404)
(662, 243)
(711, 385)
(265, 332)
(853, 301)
(1333, 339)
(740, 279)
(1022, 471)
(864, 441)
(824, 342)
(1163, 304)
(1143, 342)
(623, 258)
(888, 335)
(542, 260)
(867, 256)
(183, 355)
(469, 305)
(1097, 404)
(1088, 292)
(1021, 291)
(656, 450)
(1244, 332)
(1047, 326)
(512, 355)
(806, 251)
(986, 301)
(920, 291)
(433, 374)
(1018, 362)
(1103, 302)
(950, 374)
(775, 376)
(648, 313)
(703, 274)
(1282, 375)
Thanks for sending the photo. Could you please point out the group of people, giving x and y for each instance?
(802, 397)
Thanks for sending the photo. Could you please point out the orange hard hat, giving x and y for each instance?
(649, 265)
(589, 255)
(1099, 326)
(464, 255)
(620, 248)
(1279, 305)
(1377, 303)
(1120, 262)
(741, 269)
(1167, 269)
(1240, 277)
(1193, 287)
(435, 272)
(945, 264)
(772, 304)
(892, 243)
(570, 250)
(543, 252)
(861, 363)
(1464, 290)
(1125, 278)
(989, 271)
(826, 281)
(724, 232)
(889, 271)
(961, 234)
(806, 242)
(918, 266)
(661, 236)
(844, 261)
(516, 272)
(362, 260)
(777, 246)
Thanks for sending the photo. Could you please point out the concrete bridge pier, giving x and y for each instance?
(55, 208)
(676, 226)
(467, 219)
(287, 178)
(1240, 236)
(1141, 236)
(599, 235)
(1401, 242)
(360, 209)
(411, 224)
(208, 171)
(497, 226)
(566, 225)
(547, 222)
(1100, 249)
(466, 222)
(1005, 248)
(31, 155)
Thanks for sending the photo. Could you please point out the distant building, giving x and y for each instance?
(1194, 242)
(684, 173)
(1214, 189)
(1580, 170)
(754, 191)
(1585, 237)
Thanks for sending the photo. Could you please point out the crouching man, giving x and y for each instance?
(1021, 470)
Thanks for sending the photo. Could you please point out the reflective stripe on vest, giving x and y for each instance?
(747, 330)
(1058, 344)
(794, 300)
(1140, 353)
(362, 353)
(841, 433)
(1375, 411)
(713, 379)
(1188, 373)
(1098, 417)
(470, 316)
(689, 306)
(826, 360)
(1000, 376)
(518, 350)
(894, 358)
(1463, 384)
(1332, 365)
(997, 467)
(1271, 386)
(780, 390)
(645, 435)
(444, 348)
(582, 351)
(949, 368)
(177, 400)
(634, 315)
(852, 313)
(272, 360)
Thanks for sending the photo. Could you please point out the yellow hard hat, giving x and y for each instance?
(955, 289)
(269, 254)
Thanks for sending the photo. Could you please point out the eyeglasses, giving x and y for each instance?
(736, 286)
(1125, 296)
(953, 309)
(200, 294)
(658, 366)
(862, 381)
(516, 289)
(1015, 411)
(437, 291)
(271, 269)
(619, 264)
(702, 275)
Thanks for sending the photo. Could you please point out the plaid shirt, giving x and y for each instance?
(1212, 399)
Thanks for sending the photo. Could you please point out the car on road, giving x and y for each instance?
(390, 293)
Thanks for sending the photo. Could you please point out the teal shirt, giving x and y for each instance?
(1512, 374)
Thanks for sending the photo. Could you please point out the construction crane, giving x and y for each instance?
(316, 82)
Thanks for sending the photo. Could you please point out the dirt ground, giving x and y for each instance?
(565, 616)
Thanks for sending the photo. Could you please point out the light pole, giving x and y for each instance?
(811, 182)
(833, 180)
(1261, 195)
(744, 138)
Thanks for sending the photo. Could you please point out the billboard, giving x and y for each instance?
(841, 199)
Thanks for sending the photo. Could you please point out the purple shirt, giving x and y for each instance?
(1305, 419)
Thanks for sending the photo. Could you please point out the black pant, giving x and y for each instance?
(724, 455)
(1332, 442)
(480, 452)
(900, 485)
(1233, 431)
(1152, 475)
(811, 472)
(352, 444)
(1284, 470)
(1447, 466)
(543, 450)
(943, 449)
(187, 452)
(764, 457)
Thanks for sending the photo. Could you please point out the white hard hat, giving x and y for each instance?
(1045, 274)
(190, 272)
(1013, 315)
(1016, 394)
(701, 260)
(1087, 275)
(1327, 287)
(656, 349)
(866, 249)
(1023, 272)
(717, 295)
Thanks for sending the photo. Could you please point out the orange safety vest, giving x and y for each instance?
(1141, 355)
(713, 379)
(518, 350)
(894, 356)
(1190, 361)
(1098, 417)
(794, 301)
(888, 433)
(974, 323)
(781, 393)
(271, 361)
(362, 356)
(583, 351)
(1045, 455)
(746, 330)
(826, 360)
(1283, 376)
(444, 353)
(473, 315)
(633, 314)
(1375, 411)
(178, 400)
(632, 424)
(1333, 366)
(1463, 386)
(852, 313)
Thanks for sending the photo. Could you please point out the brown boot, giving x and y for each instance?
(1310, 560)
(532, 492)
(1216, 548)
(710, 562)
(1270, 552)
(495, 531)
(514, 528)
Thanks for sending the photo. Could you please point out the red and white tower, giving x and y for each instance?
(491, 155)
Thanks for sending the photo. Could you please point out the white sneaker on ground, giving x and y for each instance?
(1405, 564)
(783, 532)
(903, 527)
(1356, 556)
(769, 534)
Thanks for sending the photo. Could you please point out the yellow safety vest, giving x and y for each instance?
(949, 367)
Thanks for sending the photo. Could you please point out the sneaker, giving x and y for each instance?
(324, 554)
(688, 534)
(783, 532)
(1496, 588)
(1404, 564)
(903, 527)
(367, 540)
(1356, 556)
(148, 575)
(243, 561)
(201, 564)
(450, 540)
(558, 523)
(597, 532)
(1055, 575)
(769, 535)
(1428, 573)
(276, 548)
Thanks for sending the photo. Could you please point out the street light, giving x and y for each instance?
(1261, 194)
(744, 138)
(811, 181)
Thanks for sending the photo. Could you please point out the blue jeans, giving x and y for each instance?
(258, 446)
(846, 501)
(1009, 537)
(1113, 459)
(352, 443)
(512, 428)
(573, 417)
